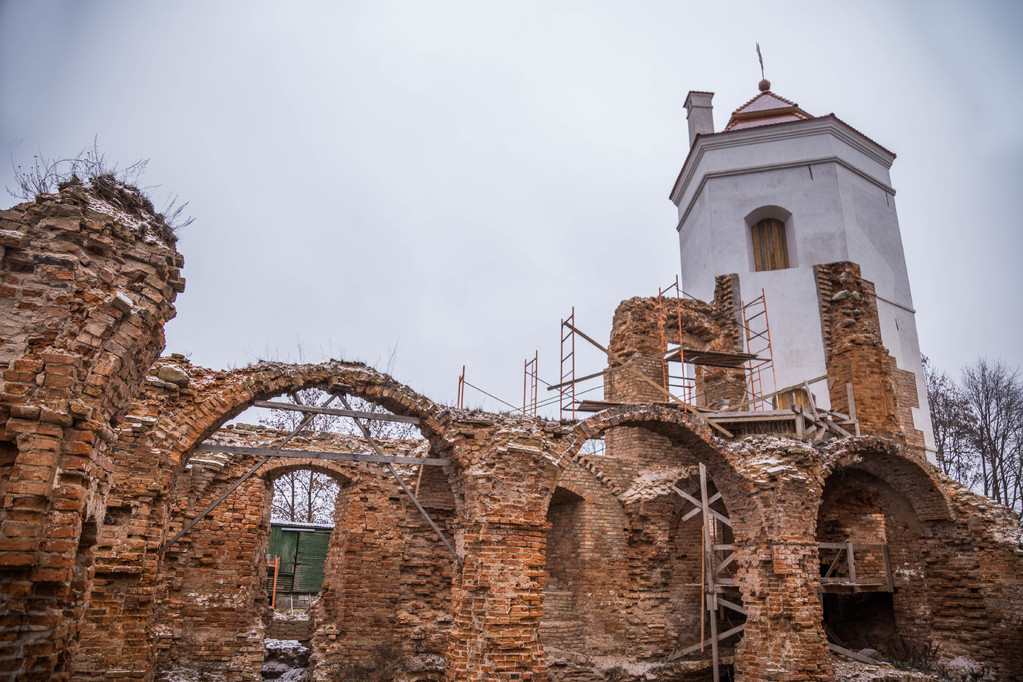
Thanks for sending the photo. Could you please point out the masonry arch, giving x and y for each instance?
(686, 435)
(225, 395)
(652, 451)
(392, 541)
(879, 515)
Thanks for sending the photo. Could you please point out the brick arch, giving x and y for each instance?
(220, 396)
(567, 486)
(738, 492)
(345, 477)
(906, 474)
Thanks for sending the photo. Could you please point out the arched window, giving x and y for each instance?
(770, 251)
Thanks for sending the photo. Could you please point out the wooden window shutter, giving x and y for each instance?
(770, 251)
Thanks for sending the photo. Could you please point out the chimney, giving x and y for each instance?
(700, 114)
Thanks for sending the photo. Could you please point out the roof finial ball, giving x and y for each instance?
(765, 84)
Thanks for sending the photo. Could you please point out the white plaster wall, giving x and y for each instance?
(836, 185)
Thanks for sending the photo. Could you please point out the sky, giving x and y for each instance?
(427, 185)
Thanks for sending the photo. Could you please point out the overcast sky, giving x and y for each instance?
(450, 178)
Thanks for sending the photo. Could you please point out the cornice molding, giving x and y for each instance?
(779, 166)
(773, 133)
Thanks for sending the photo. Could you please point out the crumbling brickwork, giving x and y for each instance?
(86, 288)
(854, 352)
(570, 566)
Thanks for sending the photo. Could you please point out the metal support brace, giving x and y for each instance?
(376, 448)
(191, 524)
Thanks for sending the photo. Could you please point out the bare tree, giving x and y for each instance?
(304, 495)
(91, 167)
(308, 495)
(953, 424)
(994, 393)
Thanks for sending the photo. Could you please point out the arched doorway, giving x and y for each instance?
(653, 477)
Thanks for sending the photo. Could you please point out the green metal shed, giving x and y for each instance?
(302, 548)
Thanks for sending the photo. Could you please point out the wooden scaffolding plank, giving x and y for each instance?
(696, 647)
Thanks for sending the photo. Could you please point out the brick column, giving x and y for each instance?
(506, 475)
(498, 605)
(779, 571)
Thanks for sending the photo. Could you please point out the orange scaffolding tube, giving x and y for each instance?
(529, 381)
(567, 383)
(276, 565)
(757, 328)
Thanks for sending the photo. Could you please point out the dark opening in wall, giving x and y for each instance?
(117, 516)
(561, 627)
(860, 621)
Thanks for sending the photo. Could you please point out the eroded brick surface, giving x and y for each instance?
(86, 289)
(574, 566)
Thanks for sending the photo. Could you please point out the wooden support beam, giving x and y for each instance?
(889, 583)
(836, 429)
(692, 513)
(850, 558)
(736, 406)
(316, 454)
(696, 647)
(834, 564)
(377, 416)
(710, 588)
(731, 605)
(394, 474)
(851, 654)
(728, 559)
(689, 498)
(699, 508)
(191, 524)
(852, 407)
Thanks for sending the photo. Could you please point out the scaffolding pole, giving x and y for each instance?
(709, 586)
(567, 383)
(529, 382)
(461, 389)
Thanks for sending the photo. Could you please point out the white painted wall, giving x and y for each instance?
(835, 183)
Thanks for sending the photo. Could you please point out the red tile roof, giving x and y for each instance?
(766, 108)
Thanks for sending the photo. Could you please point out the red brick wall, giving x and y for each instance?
(550, 584)
(83, 300)
(855, 354)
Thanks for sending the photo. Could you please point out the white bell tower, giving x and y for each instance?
(777, 192)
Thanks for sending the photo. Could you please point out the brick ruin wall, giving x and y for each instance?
(395, 608)
(86, 288)
(854, 353)
(576, 566)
